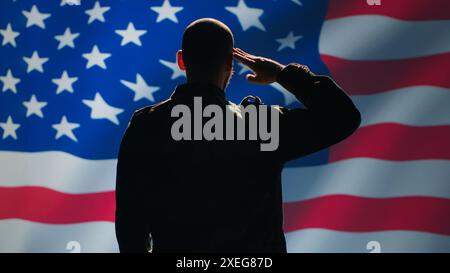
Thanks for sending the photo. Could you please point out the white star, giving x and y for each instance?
(35, 62)
(141, 89)
(66, 39)
(64, 83)
(176, 71)
(288, 41)
(297, 2)
(248, 17)
(65, 128)
(289, 98)
(96, 13)
(131, 35)
(9, 128)
(34, 17)
(102, 110)
(96, 58)
(9, 82)
(70, 2)
(166, 11)
(9, 35)
(34, 107)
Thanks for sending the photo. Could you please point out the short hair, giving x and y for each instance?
(207, 43)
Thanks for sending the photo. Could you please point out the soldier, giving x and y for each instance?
(219, 196)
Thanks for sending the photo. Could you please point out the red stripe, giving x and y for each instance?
(368, 77)
(337, 212)
(392, 141)
(44, 205)
(358, 214)
(400, 9)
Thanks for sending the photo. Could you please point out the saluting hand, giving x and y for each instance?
(265, 70)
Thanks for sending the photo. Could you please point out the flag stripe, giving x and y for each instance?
(392, 141)
(408, 176)
(402, 9)
(100, 237)
(416, 106)
(44, 205)
(365, 38)
(368, 77)
(367, 214)
(59, 171)
(368, 177)
(25, 236)
(361, 214)
(320, 240)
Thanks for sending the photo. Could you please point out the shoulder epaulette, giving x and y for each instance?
(255, 100)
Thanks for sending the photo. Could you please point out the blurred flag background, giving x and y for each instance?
(73, 72)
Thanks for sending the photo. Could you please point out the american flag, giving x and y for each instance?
(73, 71)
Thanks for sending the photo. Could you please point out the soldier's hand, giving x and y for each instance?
(265, 70)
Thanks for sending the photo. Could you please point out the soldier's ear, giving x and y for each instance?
(180, 60)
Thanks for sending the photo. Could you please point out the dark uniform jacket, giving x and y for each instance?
(219, 196)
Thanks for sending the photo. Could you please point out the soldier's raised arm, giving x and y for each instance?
(330, 115)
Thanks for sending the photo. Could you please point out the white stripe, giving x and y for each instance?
(368, 177)
(359, 176)
(416, 106)
(320, 240)
(57, 170)
(373, 37)
(24, 236)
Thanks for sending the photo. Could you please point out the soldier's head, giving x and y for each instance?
(207, 52)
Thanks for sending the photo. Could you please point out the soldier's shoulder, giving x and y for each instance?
(150, 109)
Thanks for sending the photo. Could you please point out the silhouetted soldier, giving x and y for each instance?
(219, 196)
